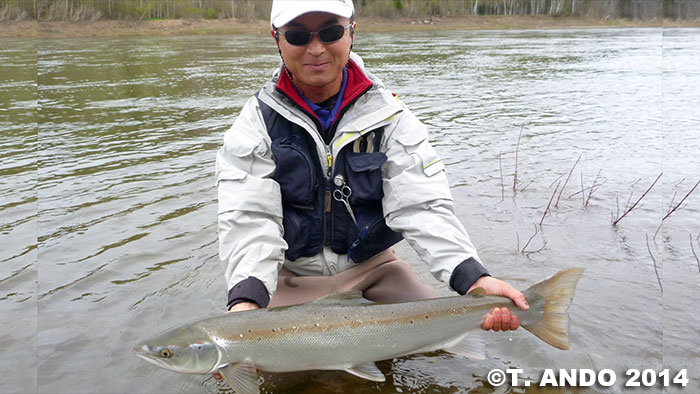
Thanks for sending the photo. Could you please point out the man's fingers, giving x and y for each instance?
(514, 322)
(488, 322)
(505, 319)
(497, 319)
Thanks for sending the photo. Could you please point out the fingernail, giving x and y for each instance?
(526, 304)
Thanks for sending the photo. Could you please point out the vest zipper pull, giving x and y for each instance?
(330, 166)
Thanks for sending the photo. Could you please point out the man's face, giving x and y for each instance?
(316, 64)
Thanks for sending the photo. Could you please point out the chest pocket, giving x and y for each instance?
(364, 168)
(294, 171)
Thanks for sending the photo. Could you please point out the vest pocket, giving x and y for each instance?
(294, 173)
(364, 175)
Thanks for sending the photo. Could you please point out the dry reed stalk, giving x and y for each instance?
(567, 181)
(550, 203)
(628, 210)
(654, 260)
(517, 150)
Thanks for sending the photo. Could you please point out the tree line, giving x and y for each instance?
(76, 10)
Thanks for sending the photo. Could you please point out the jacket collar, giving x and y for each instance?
(357, 84)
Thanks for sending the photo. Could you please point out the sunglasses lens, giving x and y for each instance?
(331, 34)
(303, 37)
(297, 37)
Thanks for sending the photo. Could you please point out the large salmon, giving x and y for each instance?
(344, 331)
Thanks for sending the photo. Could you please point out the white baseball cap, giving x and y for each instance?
(284, 11)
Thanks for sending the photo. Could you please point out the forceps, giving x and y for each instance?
(343, 194)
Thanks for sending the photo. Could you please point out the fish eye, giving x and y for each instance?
(165, 353)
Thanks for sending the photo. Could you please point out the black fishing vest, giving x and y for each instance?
(312, 218)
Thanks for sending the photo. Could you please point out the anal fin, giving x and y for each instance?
(367, 371)
(470, 345)
(242, 377)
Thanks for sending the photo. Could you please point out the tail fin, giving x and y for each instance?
(551, 297)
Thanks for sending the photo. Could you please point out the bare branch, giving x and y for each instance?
(627, 204)
(670, 206)
(530, 240)
(583, 202)
(654, 260)
(697, 260)
(525, 187)
(550, 203)
(567, 180)
(681, 202)
(517, 150)
(591, 190)
(500, 169)
(635, 182)
(555, 180)
(544, 245)
(637, 202)
(595, 187)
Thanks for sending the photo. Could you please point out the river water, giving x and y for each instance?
(108, 202)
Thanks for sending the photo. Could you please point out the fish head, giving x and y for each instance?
(185, 349)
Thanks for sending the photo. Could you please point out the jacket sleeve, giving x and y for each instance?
(251, 247)
(418, 204)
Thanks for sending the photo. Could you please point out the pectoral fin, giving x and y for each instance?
(367, 371)
(242, 377)
(470, 345)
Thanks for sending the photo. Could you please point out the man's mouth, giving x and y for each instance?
(317, 66)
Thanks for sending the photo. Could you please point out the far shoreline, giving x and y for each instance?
(175, 27)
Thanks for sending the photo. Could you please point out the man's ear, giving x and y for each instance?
(275, 35)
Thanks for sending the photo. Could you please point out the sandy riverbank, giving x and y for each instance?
(113, 28)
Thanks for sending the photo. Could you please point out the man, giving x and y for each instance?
(324, 170)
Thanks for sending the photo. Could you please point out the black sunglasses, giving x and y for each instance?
(303, 37)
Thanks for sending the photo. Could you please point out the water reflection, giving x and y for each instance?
(114, 193)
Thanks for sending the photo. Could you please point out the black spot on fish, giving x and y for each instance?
(249, 330)
(426, 316)
(410, 321)
(259, 339)
(273, 330)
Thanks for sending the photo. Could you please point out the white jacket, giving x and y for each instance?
(417, 200)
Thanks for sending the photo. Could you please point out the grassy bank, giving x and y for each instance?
(115, 28)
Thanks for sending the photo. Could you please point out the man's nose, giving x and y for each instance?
(316, 46)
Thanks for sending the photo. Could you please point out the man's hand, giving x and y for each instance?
(241, 306)
(500, 318)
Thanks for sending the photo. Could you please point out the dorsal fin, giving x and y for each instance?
(477, 292)
(349, 297)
